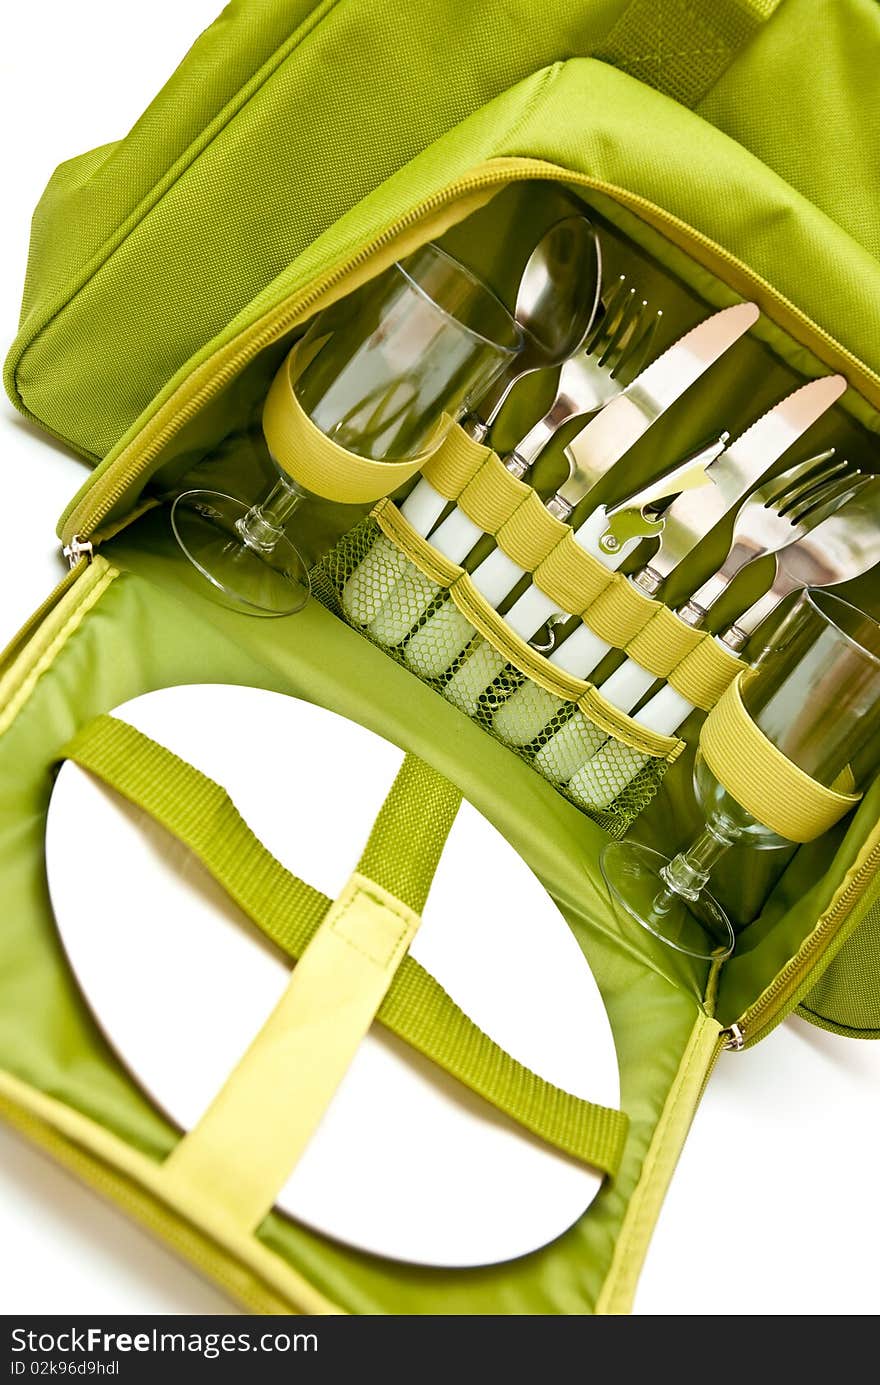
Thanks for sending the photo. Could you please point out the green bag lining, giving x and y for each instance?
(47, 1036)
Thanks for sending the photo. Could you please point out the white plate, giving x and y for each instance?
(406, 1162)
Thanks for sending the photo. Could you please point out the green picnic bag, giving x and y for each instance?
(298, 151)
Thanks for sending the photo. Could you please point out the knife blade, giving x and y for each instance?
(732, 475)
(617, 427)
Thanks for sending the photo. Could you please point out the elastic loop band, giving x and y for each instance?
(765, 782)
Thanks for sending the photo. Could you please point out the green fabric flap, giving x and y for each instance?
(145, 250)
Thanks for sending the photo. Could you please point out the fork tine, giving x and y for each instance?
(639, 348)
(775, 489)
(608, 317)
(828, 499)
(619, 328)
(819, 477)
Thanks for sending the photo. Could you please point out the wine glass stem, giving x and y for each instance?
(687, 873)
(263, 525)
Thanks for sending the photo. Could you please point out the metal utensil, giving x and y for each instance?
(782, 510)
(798, 500)
(555, 307)
(556, 304)
(610, 359)
(604, 441)
(841, 547)
(688, 520)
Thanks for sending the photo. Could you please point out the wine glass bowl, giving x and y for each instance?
(378, 378)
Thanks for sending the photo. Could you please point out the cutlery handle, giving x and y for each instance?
(580, 652)
(456, 536)
(423, 507)
(627, 685)
(496, 576)
(665, 712)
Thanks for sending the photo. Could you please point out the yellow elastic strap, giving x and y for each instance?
(515, 650)
(663, 642)
(455, 463)
(623, 728)
(252, 1135)
(571, 576)
(620, 613)
(493, 495)
(317, 463)
(423, 554)
(763, 780)
(531, 533)
(705, 673)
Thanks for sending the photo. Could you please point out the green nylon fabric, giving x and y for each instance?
(591, 118)
(681, 48)
(846, 999)
(410, 832)
(200, 814)
(147, 250)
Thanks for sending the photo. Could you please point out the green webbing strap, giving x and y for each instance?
(410, 832)
(200, 814)
(681, 47)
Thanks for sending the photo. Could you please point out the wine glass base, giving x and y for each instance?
(699, 928)
(274, 582)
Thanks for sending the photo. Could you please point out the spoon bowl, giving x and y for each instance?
(555, 307)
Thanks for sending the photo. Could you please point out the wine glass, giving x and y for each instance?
(383, 374)
(816, 697)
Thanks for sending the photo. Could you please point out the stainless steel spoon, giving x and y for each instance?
(555, 307)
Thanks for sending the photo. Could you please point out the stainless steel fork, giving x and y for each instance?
(843, 545)
(838, 547)
(610, 359)
(775, 514)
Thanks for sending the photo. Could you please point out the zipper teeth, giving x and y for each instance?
(782, 982)
(500, 172)
(276, 328)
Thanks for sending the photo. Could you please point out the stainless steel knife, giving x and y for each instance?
(618, 426)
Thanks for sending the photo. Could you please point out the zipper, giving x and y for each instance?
(83, 517)
(80, 524)
(776, 1001)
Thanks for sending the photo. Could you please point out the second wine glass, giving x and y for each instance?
(815, 698)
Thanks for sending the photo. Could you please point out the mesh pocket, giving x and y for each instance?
(368, 581)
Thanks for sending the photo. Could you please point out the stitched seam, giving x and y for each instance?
(396, 946)
(634, 1223)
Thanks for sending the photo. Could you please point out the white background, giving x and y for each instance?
(775, 1206)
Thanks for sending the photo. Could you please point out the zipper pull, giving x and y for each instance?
(78, 548)
(734, 1038)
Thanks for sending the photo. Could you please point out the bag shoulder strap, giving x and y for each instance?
(682, 47)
